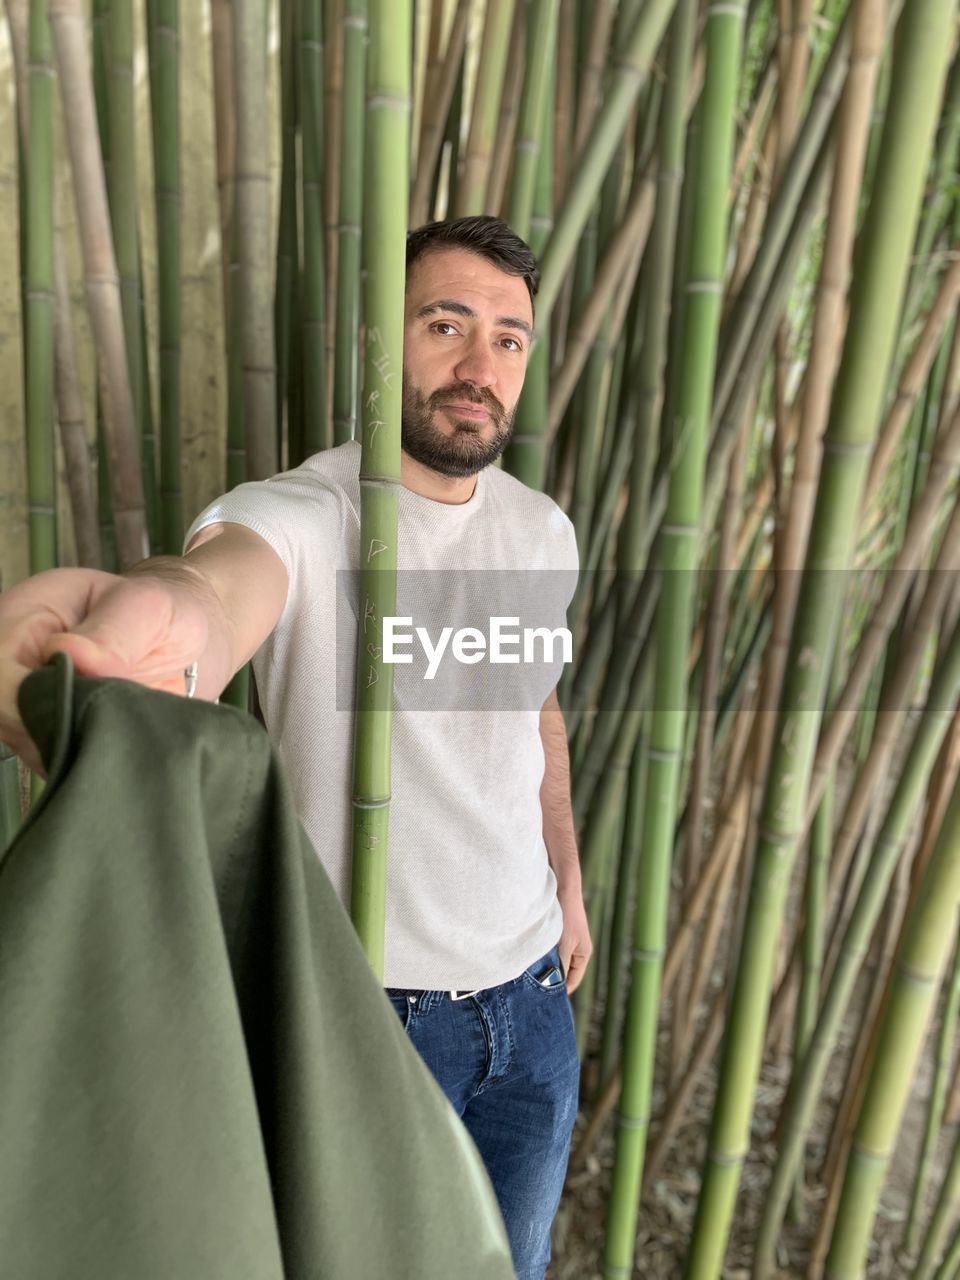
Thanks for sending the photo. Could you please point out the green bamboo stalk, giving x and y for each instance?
(623, 908)
(387, 173)
(164, 56)
(806, 1083)
(315, 434)
(472, 188)
(943, 181)
(945, 1212)
(627, 75)
(525, 456)
(288, 231)
(40, 308)
(934, 1117)
(951, 1260)
(919, 70)
(655, 285)
(921, 959)
(532, 121)
(679, 554)
(346, 372)
(252, 206)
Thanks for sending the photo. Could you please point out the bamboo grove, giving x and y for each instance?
(745, 392)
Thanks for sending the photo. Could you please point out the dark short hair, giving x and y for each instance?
(483, 235)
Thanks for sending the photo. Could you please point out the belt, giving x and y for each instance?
(454, 995)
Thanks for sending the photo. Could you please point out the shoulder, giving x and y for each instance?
(534, 510)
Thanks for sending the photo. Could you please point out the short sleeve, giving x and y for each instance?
(298, 513)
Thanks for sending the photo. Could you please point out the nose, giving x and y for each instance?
(476, 365)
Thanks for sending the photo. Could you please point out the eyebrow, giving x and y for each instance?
(461, 309)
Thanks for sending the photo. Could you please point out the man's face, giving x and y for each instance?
(466, 340)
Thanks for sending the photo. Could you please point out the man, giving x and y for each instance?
(486, 930)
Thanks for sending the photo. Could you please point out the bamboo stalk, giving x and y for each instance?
(346, 374)
(806, 1082)
(532, 118)
(314, 336)
(101, 278)
(934, 1117)
(387, 172)
(509, 113)
(471, 191)
(634, 228)
(854, 418)
(627, 74)
(333, 128)
(287, 274)
(39, 302)
(679, 552)
(436, 108)
(252, 205)
(165, 118)
(912, 379)
(919, 965)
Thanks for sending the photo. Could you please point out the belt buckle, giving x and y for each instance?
(464, 995)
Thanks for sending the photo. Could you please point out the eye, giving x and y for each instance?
(516, 345)
(439, 325)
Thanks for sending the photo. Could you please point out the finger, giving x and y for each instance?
(574, 977)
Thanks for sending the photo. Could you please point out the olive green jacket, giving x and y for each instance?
(200, 1077)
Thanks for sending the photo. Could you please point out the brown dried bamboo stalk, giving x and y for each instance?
(472, 187)
(509, 114)
(690, 983)
(912, 379)
(749, 235)
(73, 432)
(631, 232)
(759, 119)
(101, 278)
(436, 108)
(591, 73)
(564, 106)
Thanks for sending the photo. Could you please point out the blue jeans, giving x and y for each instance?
(506, 1058)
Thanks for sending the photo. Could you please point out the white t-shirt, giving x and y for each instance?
(471, 898)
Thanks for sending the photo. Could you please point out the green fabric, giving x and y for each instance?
(199, 1075)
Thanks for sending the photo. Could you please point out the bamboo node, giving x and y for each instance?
(360, 803)
(628, 1122)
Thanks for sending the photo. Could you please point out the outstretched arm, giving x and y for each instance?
(561, 841)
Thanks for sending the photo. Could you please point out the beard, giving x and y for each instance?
(465, 452)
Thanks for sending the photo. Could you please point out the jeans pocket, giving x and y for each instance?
(546, 974)
(401, 1007)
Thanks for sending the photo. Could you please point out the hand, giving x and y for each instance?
(575, 945)
(136, 629)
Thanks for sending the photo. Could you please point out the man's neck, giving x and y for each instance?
(431, 484)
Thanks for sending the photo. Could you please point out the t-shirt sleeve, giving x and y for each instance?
(297, 514)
